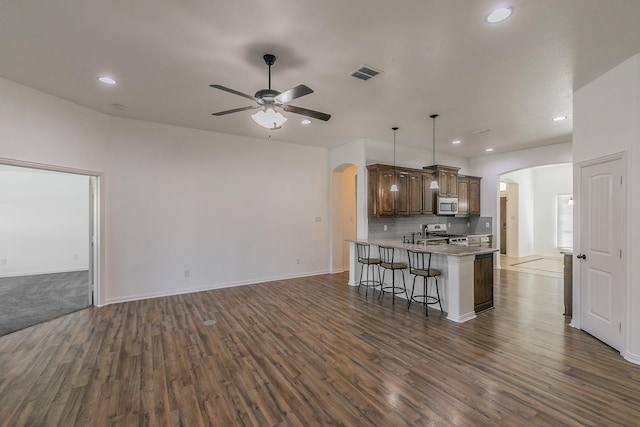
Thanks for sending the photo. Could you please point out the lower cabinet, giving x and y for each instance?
(483, 282)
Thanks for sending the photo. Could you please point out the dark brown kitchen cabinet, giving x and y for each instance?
(468, 195)
(381, 200)
(474, 195)
(483, 282)
(447, 180)
(463, 195)
(428, 195)
(415, 193)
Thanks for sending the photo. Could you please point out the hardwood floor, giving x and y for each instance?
(313, 351)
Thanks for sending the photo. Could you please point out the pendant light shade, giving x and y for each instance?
(394, 186)
(434, 184)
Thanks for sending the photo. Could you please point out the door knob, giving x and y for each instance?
(582, 256)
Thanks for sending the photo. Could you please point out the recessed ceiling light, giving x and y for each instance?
(559, 118)
(106, 80)
(488, 150)
(457, 141)
(306, 122)
(499, 15)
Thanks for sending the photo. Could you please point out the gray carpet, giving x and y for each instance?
(29, 300)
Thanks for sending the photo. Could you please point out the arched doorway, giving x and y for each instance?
(344, 189)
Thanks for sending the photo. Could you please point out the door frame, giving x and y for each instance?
(95, 250)
(577, 208)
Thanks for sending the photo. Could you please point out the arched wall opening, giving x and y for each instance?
(344, 224)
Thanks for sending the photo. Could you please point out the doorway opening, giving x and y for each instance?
(48, 256)
(344, 187)
(535, 226)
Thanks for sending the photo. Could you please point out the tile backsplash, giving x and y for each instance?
(398, 227)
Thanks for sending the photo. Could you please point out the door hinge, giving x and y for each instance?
(619, 327)
(620, 253)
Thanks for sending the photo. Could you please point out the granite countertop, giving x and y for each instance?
(451, 250)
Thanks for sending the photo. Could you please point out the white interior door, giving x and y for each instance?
(602, 269)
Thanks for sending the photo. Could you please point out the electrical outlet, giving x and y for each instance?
(486, 224)
(420, 227)
(187, 273)
(3, 261)
(318, 219)
(75, 257)
(468, 225)
(298, 261)
(385, 227)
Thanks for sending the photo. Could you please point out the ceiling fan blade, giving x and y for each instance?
(309, 113)
(235, 110)
(293, 93)
(235, 92)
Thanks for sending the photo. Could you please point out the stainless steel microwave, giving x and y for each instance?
(447, 205)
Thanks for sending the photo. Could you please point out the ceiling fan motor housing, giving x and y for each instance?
(267, 94)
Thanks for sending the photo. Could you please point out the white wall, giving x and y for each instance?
(44, 222)
(607, 121)
(410, 156)
(549, 182)
(229, 209)
(525, 211)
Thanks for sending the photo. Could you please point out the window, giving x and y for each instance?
(564, 221)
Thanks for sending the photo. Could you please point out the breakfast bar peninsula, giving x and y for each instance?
(466, 283)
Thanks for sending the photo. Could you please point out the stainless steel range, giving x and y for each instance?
(440, 230)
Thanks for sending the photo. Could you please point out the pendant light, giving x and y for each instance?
(434, 184)
(394, 186)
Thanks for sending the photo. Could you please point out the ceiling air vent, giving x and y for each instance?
(365, 72)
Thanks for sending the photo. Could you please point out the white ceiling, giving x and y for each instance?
(437, 56)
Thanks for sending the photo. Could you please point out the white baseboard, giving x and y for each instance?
(633, 358)
(209, 287)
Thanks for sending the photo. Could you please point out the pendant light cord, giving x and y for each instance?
(433, 116)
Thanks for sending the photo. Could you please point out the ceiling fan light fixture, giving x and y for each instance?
(434, 185)
(269, 118)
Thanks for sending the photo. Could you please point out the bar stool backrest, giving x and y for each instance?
(419, 261)
(364, 251)
(386, 254)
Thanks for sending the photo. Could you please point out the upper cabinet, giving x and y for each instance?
(414, 197)
(474, 195)
(447, 180)
(408, 200)
(468, 195)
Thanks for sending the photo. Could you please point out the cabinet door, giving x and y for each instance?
(402, 196)
(453, 184)
(463, 195)
(385, 197)
(372, 192)
(474, 196)
(443, 183)
(415, 193)
(428, 195)
(483, 282)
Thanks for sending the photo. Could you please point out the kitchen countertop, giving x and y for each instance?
(449, 250)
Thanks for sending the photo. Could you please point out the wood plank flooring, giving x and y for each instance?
(315, 352)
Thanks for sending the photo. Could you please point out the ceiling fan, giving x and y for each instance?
(269, 99)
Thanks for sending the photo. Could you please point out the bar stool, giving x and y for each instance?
(387, 262)
(364, 258)
(420, 265)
